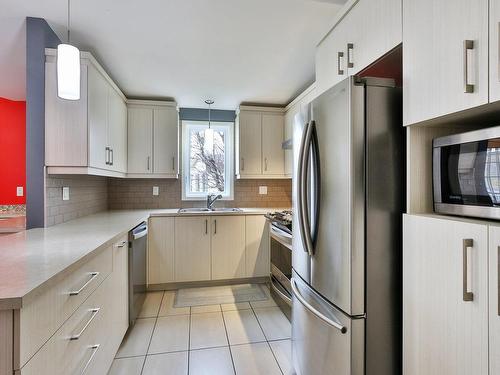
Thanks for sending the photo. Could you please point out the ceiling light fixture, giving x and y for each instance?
(68, 68)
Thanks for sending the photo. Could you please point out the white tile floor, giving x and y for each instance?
(238, 338)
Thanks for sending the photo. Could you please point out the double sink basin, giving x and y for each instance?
(207, 210)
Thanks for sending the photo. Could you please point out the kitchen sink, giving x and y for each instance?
(207, 210)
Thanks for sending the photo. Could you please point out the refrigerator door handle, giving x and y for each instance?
(319, 315)
(317, 184)
(304, 219)
(300, 187)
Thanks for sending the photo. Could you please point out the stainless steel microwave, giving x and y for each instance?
(466, 173)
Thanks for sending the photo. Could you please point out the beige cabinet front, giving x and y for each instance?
(273, 155)
(250, 147)
(192, 248)
(258, 261)
(445, 57)
(228, 247)
(445, 297)
(140, 140)
(165, 141)
(161, 250)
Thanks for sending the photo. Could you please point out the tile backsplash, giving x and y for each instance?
(138, 193)
(87, 195)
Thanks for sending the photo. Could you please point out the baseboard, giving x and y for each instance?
(198, 284)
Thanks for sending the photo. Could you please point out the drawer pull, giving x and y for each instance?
(122, 244)
(94, 349)
(93, 313)
(468, 46)
(467, 296)
(93, 275)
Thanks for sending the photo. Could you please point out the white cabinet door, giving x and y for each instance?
(161, 250)
(273, 156)
(166, 141)
(494, 286)
(228, 247)
(373, 28)
(140, 140)
(98, 119)
(257, 257)
(192, 248)
(494, 50)
(250, 146)
(117, 131)
(442, 333)
(437, 63)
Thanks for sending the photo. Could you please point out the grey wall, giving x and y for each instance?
(39, 36)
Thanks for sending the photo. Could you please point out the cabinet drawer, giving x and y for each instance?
(45, 313)
(80, 341)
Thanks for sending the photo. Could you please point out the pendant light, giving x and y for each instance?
(209, 102)
(68, 68)
(209, 133)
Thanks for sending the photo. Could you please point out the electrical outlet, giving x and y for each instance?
(156, 190)
(20, 191)
(65, 193)
(263, 190)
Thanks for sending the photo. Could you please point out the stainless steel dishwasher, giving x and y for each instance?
(138, 238)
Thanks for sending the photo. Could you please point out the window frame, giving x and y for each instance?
(229, 150)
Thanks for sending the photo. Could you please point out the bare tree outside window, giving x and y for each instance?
(207, 161)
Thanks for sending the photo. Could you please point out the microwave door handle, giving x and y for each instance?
(300, 182)
(304, 207)
(316, 167)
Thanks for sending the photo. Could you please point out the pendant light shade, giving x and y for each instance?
(68, 72)
(68, 68)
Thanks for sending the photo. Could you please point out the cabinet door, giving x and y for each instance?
(331, 60)
(442, 333)
(161, 250)
(98, 119)
(65, 122)
(166, 141)
(435, 57)
(228, 247)
(140, 140)
(192, 248)
(494, 287)
(258, 261)
(117, 131)
(373, 28)
(494, 50)
(273, 156)
(250, 146)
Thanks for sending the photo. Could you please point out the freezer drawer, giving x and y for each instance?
(324, 340)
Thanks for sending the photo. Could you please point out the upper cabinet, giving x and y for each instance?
(86, 136)
(445, 57)
(259, 138)
(153, 139)
(494, 50)
(364, 32)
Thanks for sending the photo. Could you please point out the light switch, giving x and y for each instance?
(65, 193)
(20, 191)
(263, 190)
(156, 190)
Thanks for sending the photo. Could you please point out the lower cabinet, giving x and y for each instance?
(228, 247)
(445, 297)
(201, 248)
(192, 248)
(494, 253)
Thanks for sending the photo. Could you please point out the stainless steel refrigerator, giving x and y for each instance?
(348, 187)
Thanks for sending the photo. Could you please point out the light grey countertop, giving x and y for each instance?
(35, 259)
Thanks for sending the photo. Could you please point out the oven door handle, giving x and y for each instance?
(281, 234)
(277, 288)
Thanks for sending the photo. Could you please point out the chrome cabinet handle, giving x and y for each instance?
(242, 164)
(93, 275)
(93, 314)
(206, 226)
(173, 163)
(340, 56)
(94, 349)
(106, 157)
(319, 315)
(112, 157)
(121, 244)
(466, 243)
(350, 48)
(215, 226)
(148, 162)
(468, 88)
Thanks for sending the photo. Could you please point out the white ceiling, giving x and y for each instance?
(230, 50)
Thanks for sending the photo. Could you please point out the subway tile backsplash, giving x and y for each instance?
(91, 194)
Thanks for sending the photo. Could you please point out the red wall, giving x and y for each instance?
(12, 150)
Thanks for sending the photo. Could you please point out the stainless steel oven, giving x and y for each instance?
(466, 173)
(281, 266)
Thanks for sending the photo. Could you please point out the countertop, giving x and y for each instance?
(33, 260)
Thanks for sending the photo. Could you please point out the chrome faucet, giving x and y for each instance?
(211, 200)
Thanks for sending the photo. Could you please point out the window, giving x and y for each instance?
(207, 159)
